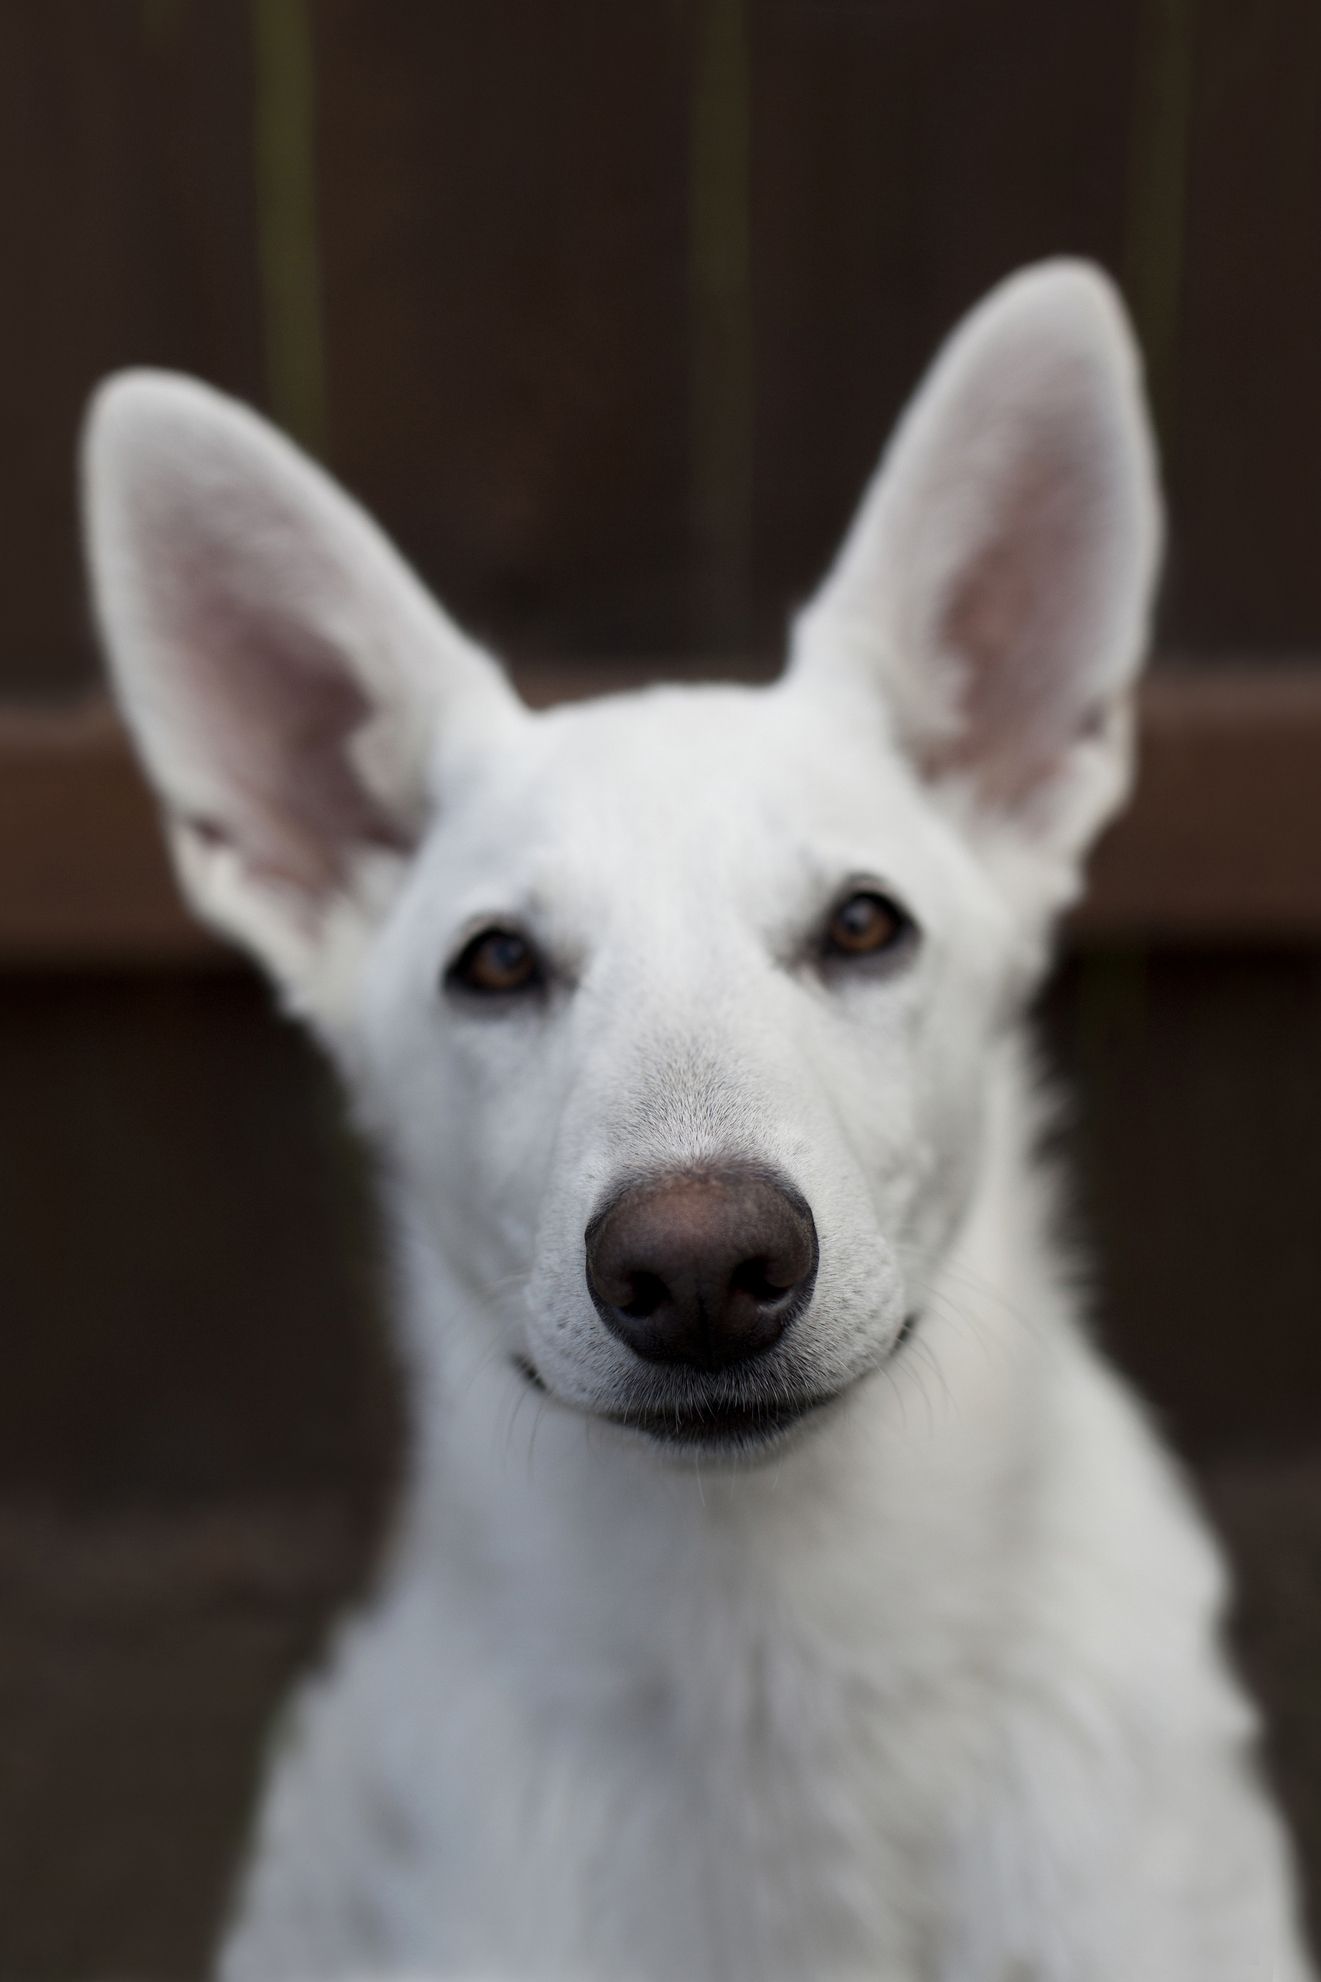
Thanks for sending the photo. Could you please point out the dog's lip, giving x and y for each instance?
(722, 1421)
(710, 1421)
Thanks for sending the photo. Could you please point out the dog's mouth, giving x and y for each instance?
(718, 1424)
(722, 1426)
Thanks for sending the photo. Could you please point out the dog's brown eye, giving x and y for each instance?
(865, 925)
(496, 962)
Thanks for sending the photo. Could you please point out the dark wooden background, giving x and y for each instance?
(605, 309)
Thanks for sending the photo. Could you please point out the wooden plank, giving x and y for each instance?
(504, 215)
(84, 878)
(906, 156)
(1222, 841)
(1221, 844)
(1244, 453)
(126, 212)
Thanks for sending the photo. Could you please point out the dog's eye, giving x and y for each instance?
(867, 924)
(494, 963)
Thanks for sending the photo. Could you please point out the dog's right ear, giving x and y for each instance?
(281, 668)
(992, 595)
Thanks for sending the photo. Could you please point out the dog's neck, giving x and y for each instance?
(571, 1534)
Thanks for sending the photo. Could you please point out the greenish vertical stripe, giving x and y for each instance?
(721, 349)
(160, 19)
(284, 118)
(1157, 193)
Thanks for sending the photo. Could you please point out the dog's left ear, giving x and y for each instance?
(284, 674)
(996, 584)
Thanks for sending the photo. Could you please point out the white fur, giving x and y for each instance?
(929, 1691)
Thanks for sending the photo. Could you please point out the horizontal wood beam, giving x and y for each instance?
(1223, 843)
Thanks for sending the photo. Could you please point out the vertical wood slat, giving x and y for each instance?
(722, 411)
(1246, 487)
(1158, 167)
(905, 158)
(506, 266)
(284, 121)
(127, 217)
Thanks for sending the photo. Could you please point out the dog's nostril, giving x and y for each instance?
(754, 1278)
(705, 1267)
(647, 1293)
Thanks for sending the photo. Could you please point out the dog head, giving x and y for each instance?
(671, 1013)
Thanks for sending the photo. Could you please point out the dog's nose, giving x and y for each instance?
(705, 1267)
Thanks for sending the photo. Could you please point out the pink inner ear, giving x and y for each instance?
(277, 707)
(1018, 624)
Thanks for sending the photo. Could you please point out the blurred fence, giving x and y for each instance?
(606, 309)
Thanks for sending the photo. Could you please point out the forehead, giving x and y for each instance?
(701, 787)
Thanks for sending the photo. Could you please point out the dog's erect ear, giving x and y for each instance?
(283, 671)
(996, 584)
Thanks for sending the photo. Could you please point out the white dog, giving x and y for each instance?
(784, 1590)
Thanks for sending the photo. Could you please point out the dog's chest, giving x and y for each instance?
(760, 1814)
